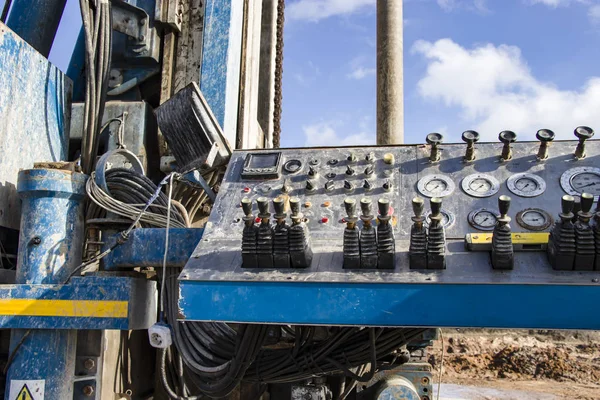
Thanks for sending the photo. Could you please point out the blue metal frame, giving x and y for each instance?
(139, 293)
(372, 304)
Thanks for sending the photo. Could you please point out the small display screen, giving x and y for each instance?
(261, 161)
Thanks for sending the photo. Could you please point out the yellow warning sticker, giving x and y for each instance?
(27, 389)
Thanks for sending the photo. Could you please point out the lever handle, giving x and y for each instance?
(247, 206)
(279, 206)
(263, 205)
(295, 205)
(366, 207)
(587, 201)
(436, 206)
(504, 204)
(384, 207)
(567, 204)
(418, 205)
(350, 206)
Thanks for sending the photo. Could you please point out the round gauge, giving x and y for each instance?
(483, 219)
(526, 185)
(292, 166)
(534, 219)
(447, 218)
(581, 180)
(435, 186)
(480, 185)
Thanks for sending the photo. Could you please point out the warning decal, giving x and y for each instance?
(27, 390)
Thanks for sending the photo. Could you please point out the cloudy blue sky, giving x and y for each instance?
(487, 65)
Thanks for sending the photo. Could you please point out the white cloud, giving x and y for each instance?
(326, 134)
(495, 90)
(315, 10)
(594, 14)
(556, 3)
(474, 5)
(361, 73)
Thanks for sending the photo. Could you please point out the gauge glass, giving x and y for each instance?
(482, 219)
(480, 185)
(534, 219)
(576, 181)
(447, 218)
(435, 186)
(526, 185)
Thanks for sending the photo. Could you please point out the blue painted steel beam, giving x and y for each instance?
(100, 298)
(423, 305)
(145, 248)
(36, 21)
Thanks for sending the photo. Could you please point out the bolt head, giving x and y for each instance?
(88, 390)
(89, 364)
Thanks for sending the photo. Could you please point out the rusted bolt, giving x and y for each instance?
(89, 364)
(88, 390)
(143, 21)
(425, 381)
(141, 38)
(36, 240)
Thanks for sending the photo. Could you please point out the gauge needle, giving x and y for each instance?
(589, 184)
(480, 186)
(527, 185)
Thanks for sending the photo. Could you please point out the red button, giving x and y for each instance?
(257, 220)
(324, 220)
(391, 212)
(246, 190)
(343, 220)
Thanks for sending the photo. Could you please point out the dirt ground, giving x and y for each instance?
(562, 363)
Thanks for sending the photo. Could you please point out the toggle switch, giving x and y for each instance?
(329, 186)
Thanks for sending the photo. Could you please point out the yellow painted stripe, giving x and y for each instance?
(64, 308)
(517, 237)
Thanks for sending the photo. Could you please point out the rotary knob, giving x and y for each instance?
(352, 158)
(434, 139)
(582, 133)
(369, 170)
(545, 136)
(348, 186)
(387, 185)
(312, 172)
(370, 157)
(507, 137)
(367, 186)
(350, 171)
(310, 185)
(470, 138)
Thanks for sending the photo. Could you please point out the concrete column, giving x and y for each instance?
(390, 70)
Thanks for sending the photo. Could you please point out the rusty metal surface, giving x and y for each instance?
(35, 115)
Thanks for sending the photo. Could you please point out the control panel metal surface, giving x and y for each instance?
(322, 178)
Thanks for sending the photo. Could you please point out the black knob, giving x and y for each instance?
(370, 156)
(584, 133)
(310, 185)
(366, 206)
(352, 157)
(329, 186)
(263, 205)
(387, 185)
(545, 135)
(247, 206)
(470, 137)
(504, 204)
(567, 204)
(350, 206)
(367, 185)
(279, 206)
(434, 139)
(369, 170)
(436, 207)
(312, 171)
(295, 205)
(287, 186)
(350, 170)
(418, 205)
(384, 207)
(348, 186)
(587, 201)
(507, 137)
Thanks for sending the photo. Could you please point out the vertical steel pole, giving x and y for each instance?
(50, 247)
(390, 69)
(36, 21)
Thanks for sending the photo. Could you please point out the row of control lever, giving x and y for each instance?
(574, 243)
(545, 136)
(279, 245)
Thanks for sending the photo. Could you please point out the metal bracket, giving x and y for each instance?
(130, 20)
(170, 12)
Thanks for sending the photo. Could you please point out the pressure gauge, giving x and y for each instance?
(482, 219)
(435, 186)
(480, 185)
(447, 218)
(581, 180)
(534, 219)
(292, 166)
(526, 185)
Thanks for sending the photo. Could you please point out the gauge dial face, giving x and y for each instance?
(435, 186)
(483, 219)
(447, 218)
(480, 185)
(526, 185)
(534, 219)
(292, 166)
(581, 180)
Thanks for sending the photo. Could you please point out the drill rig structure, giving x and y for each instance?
(157, 243)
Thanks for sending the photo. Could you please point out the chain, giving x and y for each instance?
(278, 74)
